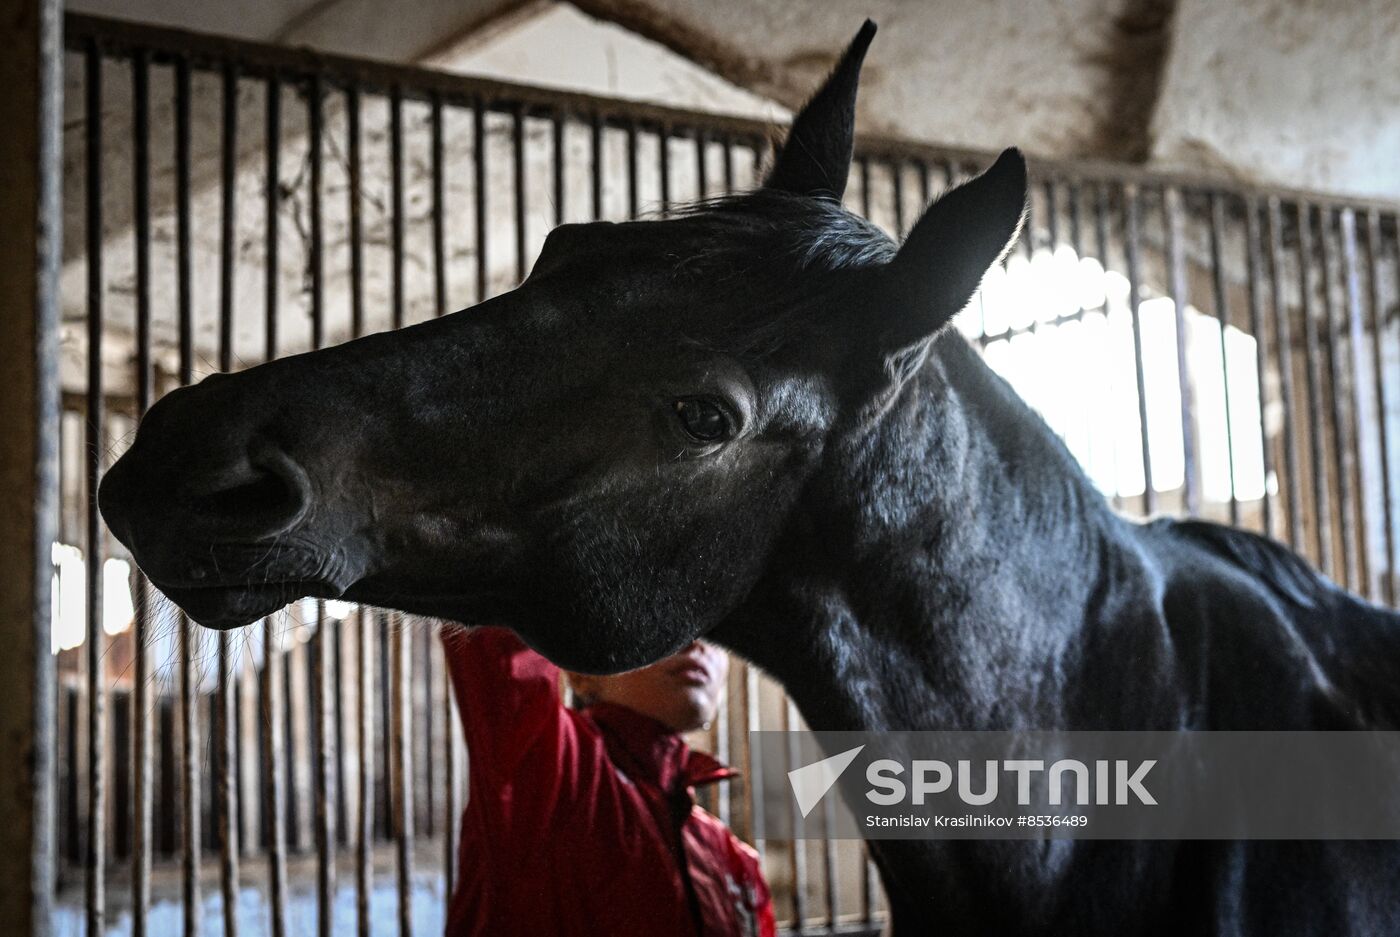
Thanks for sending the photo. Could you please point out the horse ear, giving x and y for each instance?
(942, 261)
(816, 158)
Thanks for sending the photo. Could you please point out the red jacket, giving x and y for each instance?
(583, 822)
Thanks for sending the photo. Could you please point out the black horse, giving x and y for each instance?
(749, 421)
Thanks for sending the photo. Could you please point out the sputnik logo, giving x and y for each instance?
(811, 782)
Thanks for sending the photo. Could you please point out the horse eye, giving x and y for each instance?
(702, 419)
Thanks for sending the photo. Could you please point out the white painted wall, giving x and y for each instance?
(1304, 94)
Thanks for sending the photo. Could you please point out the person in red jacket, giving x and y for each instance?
(583, 822)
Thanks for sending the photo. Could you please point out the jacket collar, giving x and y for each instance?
(650, 751)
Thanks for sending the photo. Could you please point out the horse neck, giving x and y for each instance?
(944, 571)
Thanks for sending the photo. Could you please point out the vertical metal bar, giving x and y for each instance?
(403, 773)
(141, 702)
(517, 139)
(396, 209)
(1339, 450)
(95, 865)
(869, 886)
(364, 819)
(1322, 506)
(1356, 339)
(1101, 249)
(1283, 334)
(897, 181)
(452, 812)
(439, 223)
(560, 157)
(322, 690)
(797, 852)
(1028, 222)
(189, 710)
(1050, 190)
(702, 171)
(272, 717)
(1076, 221)
(1176, 267)
(385, 805)
(1377, 314)
(632, 195)
(1256, 327)
(728, 165)
(829, 877)
(663, 164)
(364, 836)
(225, 796)
(272, 205)
(31, 221)
(1222, 313)
(722, 805)
(754, 782)
(425, 680)
(863, 167)
(595, 143)
(403, 813)
(925, 186)
(1130, 244)
(479, 177)
(355, 171)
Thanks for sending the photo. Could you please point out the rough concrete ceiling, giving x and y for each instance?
(1305, 94)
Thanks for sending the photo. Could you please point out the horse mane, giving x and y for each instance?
(1269, 561)
(798, 234)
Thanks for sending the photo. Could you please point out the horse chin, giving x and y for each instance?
(222, 608)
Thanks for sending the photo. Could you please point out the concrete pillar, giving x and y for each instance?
(30, 248)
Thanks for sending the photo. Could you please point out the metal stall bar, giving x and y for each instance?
(702, 170)
(1322, 507)
(517, 142)
(1131, 240)
(31, 112)
(479, 191)
(595, 146)
(272, 715)
(753, 722)
(141, 665)
(364, 620)
(399, 649)
(1222, 313)
(1176, 288)
(862, 168)
(1340, 451)
(1356, 340)
(797, 851)
(189, 678)
(323, 642)
(663, 164)
(1377, 325)
(225, 792)
(897, 184)
(558, 166)
(1253, 263)
(632, 195)
(1101, 242)
(1283, 344)
(451, 805)
(95, 854)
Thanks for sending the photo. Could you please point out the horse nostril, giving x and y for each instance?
(264, 494)
(256, 500)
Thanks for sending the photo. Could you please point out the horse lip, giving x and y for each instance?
(225, 606)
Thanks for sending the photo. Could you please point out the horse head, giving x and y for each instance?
(603, 458)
